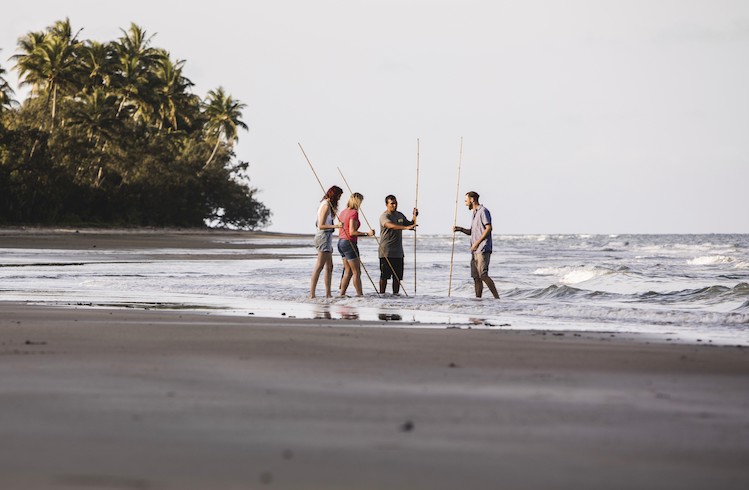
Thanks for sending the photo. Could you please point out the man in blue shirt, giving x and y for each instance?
(481, 244)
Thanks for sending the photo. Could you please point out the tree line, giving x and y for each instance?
(110, 134)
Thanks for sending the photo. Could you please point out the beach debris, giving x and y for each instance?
(35, 342)
(407, 426)
(452, 365)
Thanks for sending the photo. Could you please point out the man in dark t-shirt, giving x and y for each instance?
(392, 224)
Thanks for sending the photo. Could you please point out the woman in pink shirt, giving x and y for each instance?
(347, 246)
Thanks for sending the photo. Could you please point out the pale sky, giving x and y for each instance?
(585, 116)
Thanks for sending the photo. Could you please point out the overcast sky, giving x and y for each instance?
(586, 116)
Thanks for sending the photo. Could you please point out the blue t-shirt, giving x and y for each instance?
(481, 218)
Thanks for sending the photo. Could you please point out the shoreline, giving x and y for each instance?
(129, 398)
(185, 244)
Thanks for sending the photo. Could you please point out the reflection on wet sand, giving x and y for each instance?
(334, 312)
(389, 317)
(322, 314)
(347, 313)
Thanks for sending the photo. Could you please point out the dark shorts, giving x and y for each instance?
(348, 250)
(386, 272)
(480, 265)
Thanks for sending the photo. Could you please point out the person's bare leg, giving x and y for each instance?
(356, 275)
(478, 287)
(347, 273)
(396, 285)
(383, 285)
(490, 284)
(328, 274)
(316, 273)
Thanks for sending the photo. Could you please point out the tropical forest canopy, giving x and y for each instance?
(111, 134)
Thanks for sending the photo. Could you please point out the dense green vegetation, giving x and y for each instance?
(110, 134)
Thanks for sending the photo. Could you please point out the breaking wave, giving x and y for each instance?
(578, 274)
(712, 260)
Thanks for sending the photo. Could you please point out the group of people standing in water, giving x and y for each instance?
(390, 250)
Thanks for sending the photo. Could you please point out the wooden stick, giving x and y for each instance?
(339, 219)
(455, 219)
(395, 276)
(313, 168)
(416, 205)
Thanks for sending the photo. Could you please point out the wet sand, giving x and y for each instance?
(150, 399)
(126, 398)
(145, 239)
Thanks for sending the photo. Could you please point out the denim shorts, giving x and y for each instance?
(348, 249)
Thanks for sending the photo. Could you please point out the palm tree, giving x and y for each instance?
(136, 62)
(28, 64)
(223, 115)
(97, 64)
(173, 98)
(49, 62)
(6, 93)
(96, 114)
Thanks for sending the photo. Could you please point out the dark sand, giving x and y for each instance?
(146, 399)
(95, 398)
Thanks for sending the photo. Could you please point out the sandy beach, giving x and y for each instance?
(150, 399)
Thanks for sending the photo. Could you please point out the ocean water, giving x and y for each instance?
(689, 288)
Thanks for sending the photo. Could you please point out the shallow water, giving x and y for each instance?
(681, 287)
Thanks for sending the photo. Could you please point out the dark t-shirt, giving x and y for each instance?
(391, 241)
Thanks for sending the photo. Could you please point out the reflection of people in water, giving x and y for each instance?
(389, 317)
(348, 313)
(323, 314)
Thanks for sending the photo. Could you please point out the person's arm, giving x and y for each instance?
(392, 226)
(410, 226)
(486, 233)
(467, 231)
(353, 229)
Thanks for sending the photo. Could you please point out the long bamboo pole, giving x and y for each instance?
(455, 219)
(339, 219)
(395, 276)
(416, 206)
